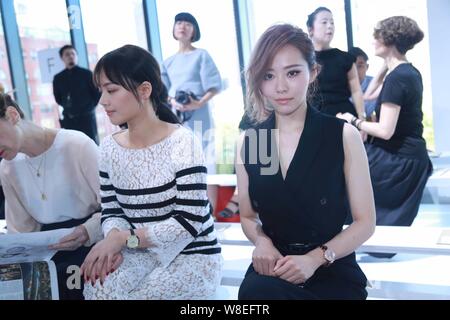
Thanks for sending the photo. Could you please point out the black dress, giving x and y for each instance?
(333, 93)
(308, 207)
(400, 166)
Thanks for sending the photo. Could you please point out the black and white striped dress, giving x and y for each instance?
(161, 188)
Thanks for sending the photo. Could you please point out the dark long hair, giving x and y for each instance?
(129, 66)
(5, 102)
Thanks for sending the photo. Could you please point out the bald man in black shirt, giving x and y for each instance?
(74, 90)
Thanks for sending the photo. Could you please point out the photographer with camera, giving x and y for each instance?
(192, 79)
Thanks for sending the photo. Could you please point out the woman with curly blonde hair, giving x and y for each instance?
(398, 158)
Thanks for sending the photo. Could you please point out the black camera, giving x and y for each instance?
(184, 97)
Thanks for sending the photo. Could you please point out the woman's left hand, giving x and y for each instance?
(345, 116)
(295, 269)
(103, 258)
(72, 241)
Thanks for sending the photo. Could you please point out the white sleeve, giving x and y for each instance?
(18, 220)
(169, 237)
(112, 214)
(90, 169)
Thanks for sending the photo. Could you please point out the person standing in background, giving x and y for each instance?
(192, 80)
(362, 66)
(398, 156)
(75, 92)
(338, 78)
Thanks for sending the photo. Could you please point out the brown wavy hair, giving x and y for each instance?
(5, 102)
(272, 40)
(399, 31)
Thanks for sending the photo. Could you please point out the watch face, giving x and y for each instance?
(330, 255)
(133, 242)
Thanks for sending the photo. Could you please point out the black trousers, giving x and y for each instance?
(86, 123)
(322, 285)
(64, 259)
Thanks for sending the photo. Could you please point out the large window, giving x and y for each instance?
(264, 13)
(216, 21)
(109, 25)
(365, 16)
(5, 76)
(39, 33)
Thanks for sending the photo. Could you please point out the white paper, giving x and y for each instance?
(29, 247)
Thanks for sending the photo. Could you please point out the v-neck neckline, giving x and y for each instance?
(280, 170)
(297, 149)
(309, 144)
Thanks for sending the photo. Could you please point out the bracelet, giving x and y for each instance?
(358, 125)
(353, 121)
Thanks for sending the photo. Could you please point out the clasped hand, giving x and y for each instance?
(268, 261)
(104, 258)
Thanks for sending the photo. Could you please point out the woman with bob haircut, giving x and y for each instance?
(398, 157)
(192, 80)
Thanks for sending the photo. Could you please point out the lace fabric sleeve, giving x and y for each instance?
(170, 237)
(112, 214)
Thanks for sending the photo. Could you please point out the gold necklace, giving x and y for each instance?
(38, 174)
(38, 169)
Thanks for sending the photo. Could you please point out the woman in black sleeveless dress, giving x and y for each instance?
(293, 181)
(338, 78)
(398, 157)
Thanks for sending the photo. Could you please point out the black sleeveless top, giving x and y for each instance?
(333, 92)
(310, 205)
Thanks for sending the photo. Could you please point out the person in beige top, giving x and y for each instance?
(50, 181)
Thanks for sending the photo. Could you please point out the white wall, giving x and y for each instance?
(439, 27)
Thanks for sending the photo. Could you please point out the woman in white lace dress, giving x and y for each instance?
(159, 241)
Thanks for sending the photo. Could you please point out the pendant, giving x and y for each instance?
(43, 197)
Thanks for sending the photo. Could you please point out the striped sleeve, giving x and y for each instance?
(112, 213)
(171, 236)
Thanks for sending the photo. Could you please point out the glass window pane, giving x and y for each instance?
(5, 76)
(268, 12)
(366, 14)
(219, 39)
(38, 33)
(108, 25)
(122, 23)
